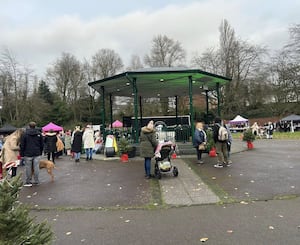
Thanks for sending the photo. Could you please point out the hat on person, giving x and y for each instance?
(77, 128)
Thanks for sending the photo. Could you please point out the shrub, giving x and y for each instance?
(248, 135)
(124, 146)
(17, 227)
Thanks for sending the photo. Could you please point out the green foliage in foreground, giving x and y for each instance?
(16, 227)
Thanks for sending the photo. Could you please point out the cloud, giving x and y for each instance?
(194, 25)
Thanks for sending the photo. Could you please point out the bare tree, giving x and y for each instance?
(105, 63)
(295, 38)
(286, 69)
(165, 52)
(238, 60)
(14, 79)
(135, 63)
(286, 77)
(208, 61)
(67, 76)
(227, 45)
(69, 81)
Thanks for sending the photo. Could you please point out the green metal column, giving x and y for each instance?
(191, 105)
(141, 111)
(134, 90)
(102, 129)
(207, 105)
(176, 109)
(111, 110)
(218, 98)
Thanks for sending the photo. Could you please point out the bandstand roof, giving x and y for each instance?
(161, 81)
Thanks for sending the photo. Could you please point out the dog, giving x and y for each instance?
(49, 165)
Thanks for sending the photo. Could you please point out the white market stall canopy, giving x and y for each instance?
(238, 119)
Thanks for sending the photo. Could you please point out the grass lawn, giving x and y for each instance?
(276, 135)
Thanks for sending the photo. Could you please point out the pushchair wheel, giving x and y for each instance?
(175, 171)
(157, 173)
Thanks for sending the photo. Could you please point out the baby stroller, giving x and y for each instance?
(163, 160)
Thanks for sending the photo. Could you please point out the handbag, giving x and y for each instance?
(202, 146)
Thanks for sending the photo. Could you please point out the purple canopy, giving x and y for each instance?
(52, 126)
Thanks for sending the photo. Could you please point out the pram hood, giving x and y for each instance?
(163, 150)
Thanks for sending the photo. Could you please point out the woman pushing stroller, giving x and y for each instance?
(148, 144)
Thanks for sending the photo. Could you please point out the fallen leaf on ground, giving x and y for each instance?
(243, 202)
(230, 231)
(252, 181)
(127, 221)
(213, 178)
(204, 239)
(68, 233)
(271, 227)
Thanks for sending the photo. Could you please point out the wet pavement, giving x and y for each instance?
(90, 184)
(269, 171)
(109, 202)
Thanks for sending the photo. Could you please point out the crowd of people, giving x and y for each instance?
(27, 146)
(222, 139)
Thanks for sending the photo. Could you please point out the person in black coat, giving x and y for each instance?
(50, 144)
(76, 143)
(31, 148)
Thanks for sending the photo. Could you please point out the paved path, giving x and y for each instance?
(262, 182)
(187, 188)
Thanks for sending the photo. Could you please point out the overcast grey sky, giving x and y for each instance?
(38, 31)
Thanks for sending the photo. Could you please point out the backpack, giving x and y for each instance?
(223, 134)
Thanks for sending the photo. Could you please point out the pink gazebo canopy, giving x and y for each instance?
(117, 124)
(51, 126)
